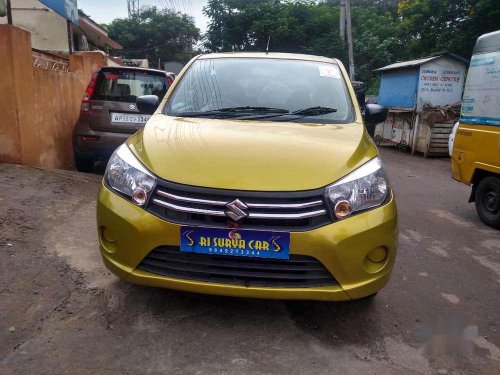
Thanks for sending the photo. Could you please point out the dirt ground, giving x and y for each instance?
(62, 312)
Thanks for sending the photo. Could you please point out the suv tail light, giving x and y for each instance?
(170, 80)
(88, 94)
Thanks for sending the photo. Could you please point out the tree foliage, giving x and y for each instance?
(384, 31)
(453, 25)
(156, 34)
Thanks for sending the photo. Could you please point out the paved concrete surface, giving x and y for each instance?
(62, 312)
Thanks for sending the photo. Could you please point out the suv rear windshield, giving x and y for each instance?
(127, 85)
(285, 84)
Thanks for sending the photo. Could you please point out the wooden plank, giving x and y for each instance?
(438, 144)
(441, 147)
(441, 131)
(440, 136)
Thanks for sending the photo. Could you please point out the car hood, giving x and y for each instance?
(250, 155)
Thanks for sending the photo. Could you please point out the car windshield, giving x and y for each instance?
(127, 85)
(266, 88)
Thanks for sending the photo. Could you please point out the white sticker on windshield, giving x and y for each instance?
(331, 71)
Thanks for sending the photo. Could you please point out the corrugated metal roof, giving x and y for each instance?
(407, 64)
(418, 62)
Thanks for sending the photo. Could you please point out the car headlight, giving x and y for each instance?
(128, 176)
(365, 188)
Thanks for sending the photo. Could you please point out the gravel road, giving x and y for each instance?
(62, 312)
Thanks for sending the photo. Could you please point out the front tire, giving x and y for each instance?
(86, 166)
(487, 199)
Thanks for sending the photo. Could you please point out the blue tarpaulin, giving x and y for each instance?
(66, 8)
(398, 88)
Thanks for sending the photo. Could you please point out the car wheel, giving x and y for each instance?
(488, 201)
(86, 166)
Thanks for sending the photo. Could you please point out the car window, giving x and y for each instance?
(126, 86)
(481, 99)
(211, 84)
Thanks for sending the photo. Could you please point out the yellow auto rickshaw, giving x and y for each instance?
(476, 148)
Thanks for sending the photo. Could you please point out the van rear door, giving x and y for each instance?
(112, 107)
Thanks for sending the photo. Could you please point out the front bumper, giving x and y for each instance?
(127, 233)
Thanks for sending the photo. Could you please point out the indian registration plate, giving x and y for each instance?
(235, 242)
(129, 118)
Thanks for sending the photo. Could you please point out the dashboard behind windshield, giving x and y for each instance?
(291, 85)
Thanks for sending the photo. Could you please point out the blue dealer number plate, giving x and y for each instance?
(235, 242)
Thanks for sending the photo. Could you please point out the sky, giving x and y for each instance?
(104, 11)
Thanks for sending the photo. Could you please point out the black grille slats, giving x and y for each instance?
(190, 205)
(298, 271)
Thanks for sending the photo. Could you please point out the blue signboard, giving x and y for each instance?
(66, 8)
(235, 242)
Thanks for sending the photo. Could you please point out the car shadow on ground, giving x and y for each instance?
(335, 323)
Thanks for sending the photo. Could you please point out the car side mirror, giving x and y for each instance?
(374, 114)
(359, 90)
(147, 103)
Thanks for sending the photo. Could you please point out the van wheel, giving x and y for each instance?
(86, 166)
(488, 201)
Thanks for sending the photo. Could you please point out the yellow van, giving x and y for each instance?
(476, 148)
(254, 177)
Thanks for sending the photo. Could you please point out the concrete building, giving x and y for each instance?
(90, 36)
(49, 30)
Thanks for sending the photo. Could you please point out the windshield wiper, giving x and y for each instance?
(251, 109)
(236, 112)
(314, 111)
(305, 112)
(256, 113)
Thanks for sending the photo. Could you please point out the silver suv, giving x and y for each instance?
(109, 114)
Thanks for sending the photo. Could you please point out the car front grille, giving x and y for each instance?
(182, 204)
(299, 271)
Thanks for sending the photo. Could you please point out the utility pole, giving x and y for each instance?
(133, 7)
(346, 30)
(349, 39)
(9, 13)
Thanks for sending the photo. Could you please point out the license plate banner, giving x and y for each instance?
(235, 242)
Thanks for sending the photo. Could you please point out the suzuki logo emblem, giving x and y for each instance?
(235, 210)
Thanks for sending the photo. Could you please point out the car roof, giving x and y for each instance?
(487, 43)
(270, 55)
(134, 68)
